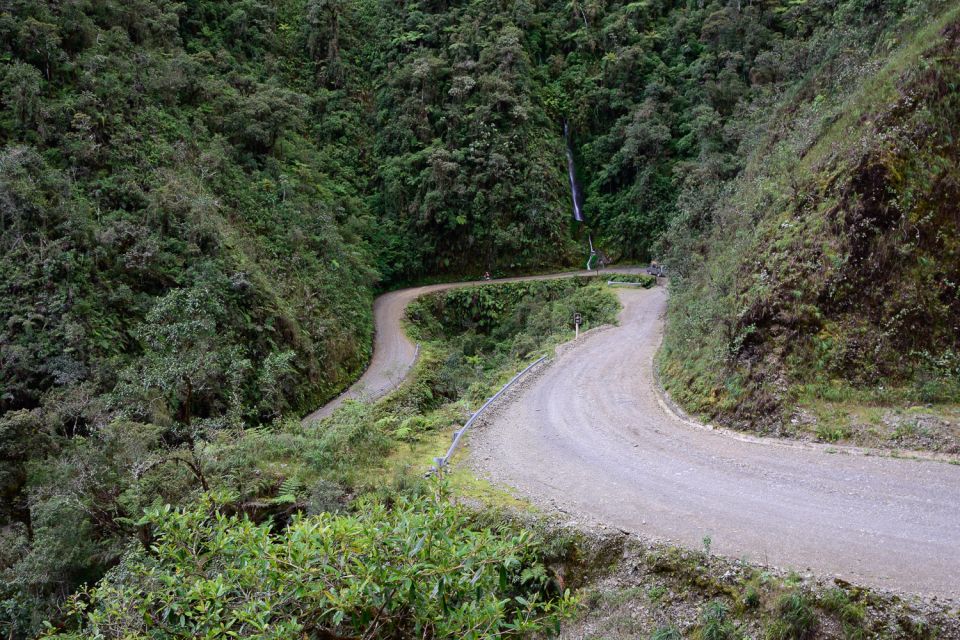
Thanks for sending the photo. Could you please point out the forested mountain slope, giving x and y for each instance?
(166, 197)
(183, 251)
(199, 199)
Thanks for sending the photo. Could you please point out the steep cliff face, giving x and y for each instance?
(832, 272)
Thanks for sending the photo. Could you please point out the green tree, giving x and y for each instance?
(20, 92)
(187, 361)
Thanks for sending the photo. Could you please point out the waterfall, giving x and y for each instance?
(572, 174)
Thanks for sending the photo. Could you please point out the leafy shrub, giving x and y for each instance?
(418, 569)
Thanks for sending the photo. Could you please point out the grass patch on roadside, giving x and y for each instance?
(411, 460)
(875, 418)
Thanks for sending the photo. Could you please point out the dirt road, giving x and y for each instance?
(590, 436)
(394, 353)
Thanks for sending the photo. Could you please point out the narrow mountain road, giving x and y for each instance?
(589, 435)
(393, 351)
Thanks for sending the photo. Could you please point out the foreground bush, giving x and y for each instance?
(420, 568)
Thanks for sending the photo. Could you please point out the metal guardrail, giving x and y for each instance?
(440, 463)
(626, 284)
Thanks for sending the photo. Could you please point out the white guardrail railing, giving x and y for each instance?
(626, 284)
(440, 463)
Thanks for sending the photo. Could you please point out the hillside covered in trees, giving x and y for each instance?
(199, 200)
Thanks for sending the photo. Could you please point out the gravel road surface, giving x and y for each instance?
(590, 435)
(393, 351)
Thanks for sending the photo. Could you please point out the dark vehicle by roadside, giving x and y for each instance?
(656, 269)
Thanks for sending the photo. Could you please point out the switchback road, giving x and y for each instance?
(394, 352)
(591, 436)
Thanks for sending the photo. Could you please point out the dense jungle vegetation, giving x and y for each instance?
(199, 199)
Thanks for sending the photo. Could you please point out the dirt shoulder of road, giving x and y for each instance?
(633, 588)
(889, 448)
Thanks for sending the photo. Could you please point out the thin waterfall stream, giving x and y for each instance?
(575, 194)
(572, 174)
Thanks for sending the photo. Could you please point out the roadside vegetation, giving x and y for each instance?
(417, 567)
(823, 302)
(358, 463)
